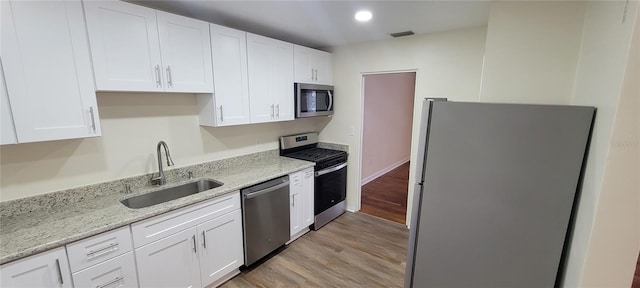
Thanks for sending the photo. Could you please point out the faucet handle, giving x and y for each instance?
(127, 188)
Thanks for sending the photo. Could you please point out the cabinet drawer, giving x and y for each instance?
(96, 249)
(152, 229)
(295, 178)
(116, 272)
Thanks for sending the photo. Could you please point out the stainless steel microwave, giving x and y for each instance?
(313, 100)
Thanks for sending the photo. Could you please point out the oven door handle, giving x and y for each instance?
(330, 108)
(331, 169)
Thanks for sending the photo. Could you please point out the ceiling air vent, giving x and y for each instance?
(402, 34)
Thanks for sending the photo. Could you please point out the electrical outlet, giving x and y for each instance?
(352, 131)
(259, 142)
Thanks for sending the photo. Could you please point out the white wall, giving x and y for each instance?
(615, 240)
(599, 81)
(132, 125)
(531, 51)
(388, 118)
(447, 64)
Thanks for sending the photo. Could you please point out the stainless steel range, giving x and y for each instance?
(330, 174)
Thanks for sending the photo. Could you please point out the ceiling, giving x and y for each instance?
(327, 24)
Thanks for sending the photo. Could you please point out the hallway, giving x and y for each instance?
(386, 196)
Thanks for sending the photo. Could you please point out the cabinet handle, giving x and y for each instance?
(102, 251)
(60, 280)
(278, 111)
(194, 244)
(93, 119)
(204, 240)
(272, 111)
(312, 73)
(114, 281)
(158, 83)
(293, 204)
(169, 78)
(221, 117)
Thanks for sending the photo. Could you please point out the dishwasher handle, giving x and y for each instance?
(266, 190)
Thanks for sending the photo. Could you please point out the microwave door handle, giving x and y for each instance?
(330, 100)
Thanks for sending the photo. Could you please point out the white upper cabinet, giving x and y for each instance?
(186, 53)
(8, 130)
(270, 79)
(230, 103)
(136, 48)
(47, 66)
(312, 66)
(125, 46)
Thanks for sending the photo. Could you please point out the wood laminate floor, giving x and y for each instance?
(386, 196)
(354, 250)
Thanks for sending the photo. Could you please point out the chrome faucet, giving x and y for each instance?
(161, 180)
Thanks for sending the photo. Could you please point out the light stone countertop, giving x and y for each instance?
(40, 223)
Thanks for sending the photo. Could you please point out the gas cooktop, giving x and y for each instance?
(315, 154)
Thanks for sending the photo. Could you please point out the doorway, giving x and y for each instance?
(388, 100)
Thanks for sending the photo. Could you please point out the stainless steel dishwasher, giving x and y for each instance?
(265, 218)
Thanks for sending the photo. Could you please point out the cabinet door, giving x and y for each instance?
(271, 75)
(221, 243)
(282, 81)
(47, 269)
(260, 51)
(304, 72)
(230, 76)
(295, 202)
(323, 68)
(125, 46)
(312, 66)
(170, 262)
(45, 43)
(185, 47)
(307, 201)
(8, 130)
(117, 272)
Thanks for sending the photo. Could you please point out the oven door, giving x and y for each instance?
(330, 187)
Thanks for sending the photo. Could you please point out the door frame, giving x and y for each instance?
(362, 95)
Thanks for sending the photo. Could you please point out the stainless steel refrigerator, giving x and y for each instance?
(495, 193)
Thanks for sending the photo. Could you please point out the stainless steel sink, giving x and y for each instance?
(170, 193)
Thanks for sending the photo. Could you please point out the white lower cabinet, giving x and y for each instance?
(308, 188)
(170, 262)
(47, 269)
(301, 202)
(204, 247)
(104, 260)
(222, 250)
(117, 272)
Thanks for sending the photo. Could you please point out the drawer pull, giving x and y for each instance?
(114, 281)
(102, 251)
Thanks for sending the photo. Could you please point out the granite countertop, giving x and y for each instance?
(30, 230)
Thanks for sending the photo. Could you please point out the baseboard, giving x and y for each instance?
(224, 279)
(384, 171)
(298, 235)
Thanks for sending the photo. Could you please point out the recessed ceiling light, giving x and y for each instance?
(363, 16)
